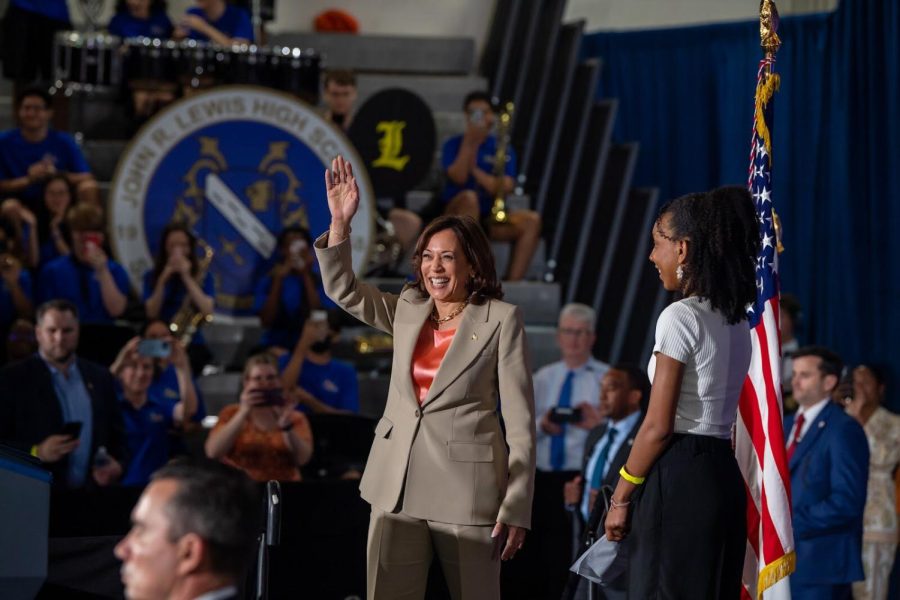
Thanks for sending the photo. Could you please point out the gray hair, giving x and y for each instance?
(582, 312)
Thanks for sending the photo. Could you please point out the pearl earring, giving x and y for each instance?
(679, 273)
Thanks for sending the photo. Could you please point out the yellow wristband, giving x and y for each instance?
(630, 478)
(34, 451)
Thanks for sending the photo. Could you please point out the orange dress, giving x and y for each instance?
(430, 350)
(264, 455)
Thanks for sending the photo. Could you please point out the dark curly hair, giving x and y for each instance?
(724, 240)
(162, 256)
(484, 284)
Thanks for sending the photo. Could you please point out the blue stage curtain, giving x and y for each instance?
(687, 96)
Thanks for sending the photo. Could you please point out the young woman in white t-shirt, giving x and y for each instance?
(680, 498)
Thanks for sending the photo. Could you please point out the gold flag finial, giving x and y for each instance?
(768, 26)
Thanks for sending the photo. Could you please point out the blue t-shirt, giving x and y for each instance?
(484, 161)
(333, 383)
(166, 390)
(17, 154)
(7, 308)
(234, 22)
(292, 309)
(147, 437)
(53, 9)
(124, 25)
(65, 277)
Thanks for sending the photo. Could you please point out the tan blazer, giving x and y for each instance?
(447, 460)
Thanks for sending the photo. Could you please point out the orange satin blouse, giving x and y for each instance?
(430, 350)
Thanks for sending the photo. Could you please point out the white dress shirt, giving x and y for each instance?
(810, 414)
(623, 427)
(548, 382)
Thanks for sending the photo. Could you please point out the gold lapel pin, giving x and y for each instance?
(474, 337)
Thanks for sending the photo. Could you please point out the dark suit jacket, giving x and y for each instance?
(829, 474)
(595, 435)
(30, 410)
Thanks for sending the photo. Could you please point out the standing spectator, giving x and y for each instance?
(192, 534)
(471, 184)
(26, 39)
(173, 381)
(285, 297)
(33, 152)
(789, 322)
(572, 382)
(141, 18)
(215, 21)
(263, 435)
(828, 458)
(330, 384)
(882, 429)
(96, 284)
(41, 393)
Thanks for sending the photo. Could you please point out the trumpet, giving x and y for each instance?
(501, 157)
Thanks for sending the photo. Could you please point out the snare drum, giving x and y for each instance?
(251, 65)
(296, 71)
(200, 64)
(151, 60)
(87, 61)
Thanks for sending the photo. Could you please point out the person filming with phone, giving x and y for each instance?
(96, 284)
(62, 408)
(263, 434)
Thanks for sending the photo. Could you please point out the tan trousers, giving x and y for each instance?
(400, 550)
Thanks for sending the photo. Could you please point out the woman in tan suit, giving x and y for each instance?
(439, 477)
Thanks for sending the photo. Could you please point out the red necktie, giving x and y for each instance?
(798, 426)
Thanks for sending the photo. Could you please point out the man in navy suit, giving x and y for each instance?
(624, 392)
(828, 457)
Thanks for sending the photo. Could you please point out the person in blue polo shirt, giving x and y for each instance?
(148, 420)
(146, 18)
(330, 384)
(33, 152)
(174, 382)
(215, 21)
(96, 284)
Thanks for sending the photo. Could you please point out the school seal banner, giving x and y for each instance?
(237, 164)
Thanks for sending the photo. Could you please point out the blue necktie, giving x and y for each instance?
(597, 475)
(558, 442)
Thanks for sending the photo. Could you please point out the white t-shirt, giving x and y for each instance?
(716, 357)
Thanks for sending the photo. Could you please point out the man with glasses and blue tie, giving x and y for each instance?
(624, 393)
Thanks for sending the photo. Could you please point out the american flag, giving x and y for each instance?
(759, 435)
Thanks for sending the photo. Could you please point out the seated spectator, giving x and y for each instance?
(192, 535)
(140, 18)
(175, 276)
(789, 323)
(147, 419)
(33, 152)
(20, 343)
(96, 284)
(173, 381)
(331, 384)
(882, 429)
(15, 281)
(263, 435)
(53, 234)
(24, 231)
(54, 387)
(471, 185)
(285, 297)
(215, 21)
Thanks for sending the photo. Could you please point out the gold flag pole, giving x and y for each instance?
(770, 42)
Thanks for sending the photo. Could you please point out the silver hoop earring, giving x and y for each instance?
(679, 273)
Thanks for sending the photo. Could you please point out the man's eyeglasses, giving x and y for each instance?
(574, 332)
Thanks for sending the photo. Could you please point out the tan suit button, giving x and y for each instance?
(418, 413)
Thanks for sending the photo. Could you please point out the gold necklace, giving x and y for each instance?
(451, 316)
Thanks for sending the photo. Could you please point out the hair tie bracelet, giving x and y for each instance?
(633, 479)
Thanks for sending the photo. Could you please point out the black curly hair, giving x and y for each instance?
(724, 240)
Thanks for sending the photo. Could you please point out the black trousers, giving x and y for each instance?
(689, 530)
